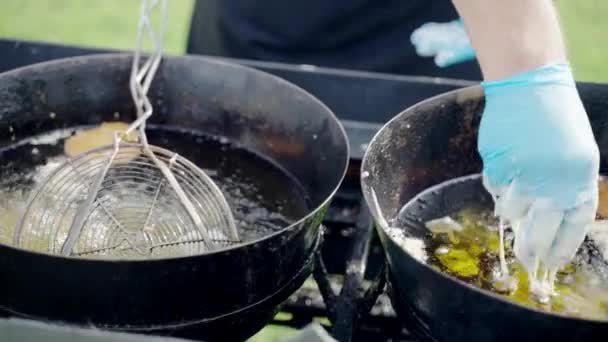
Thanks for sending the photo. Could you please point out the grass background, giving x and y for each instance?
(112, 24)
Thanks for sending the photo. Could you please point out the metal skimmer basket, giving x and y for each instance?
(129, 200)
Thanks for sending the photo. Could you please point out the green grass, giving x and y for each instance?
(112, 24)
(586, 31)
(273, 333)
(99, 23)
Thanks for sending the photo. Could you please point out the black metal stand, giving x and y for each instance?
(353, 300)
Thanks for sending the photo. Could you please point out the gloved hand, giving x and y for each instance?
(541, 162)
(447, 42)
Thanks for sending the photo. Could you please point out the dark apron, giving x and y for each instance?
(371, 35)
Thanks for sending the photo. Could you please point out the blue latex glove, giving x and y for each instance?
(447, 42)
(541, 162)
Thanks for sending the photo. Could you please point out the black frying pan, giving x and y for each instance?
(225, 295)
(430, 143)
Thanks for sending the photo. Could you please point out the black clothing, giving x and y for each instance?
(371, 35)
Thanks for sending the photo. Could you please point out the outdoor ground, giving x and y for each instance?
(112, 24)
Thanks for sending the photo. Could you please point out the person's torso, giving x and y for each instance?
(356, 34)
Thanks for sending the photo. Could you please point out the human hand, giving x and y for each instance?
(541, 163)
(447, 42)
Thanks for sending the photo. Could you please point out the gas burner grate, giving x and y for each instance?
(347, 292)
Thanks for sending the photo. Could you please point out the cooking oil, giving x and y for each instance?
(263, 196)
(470, 252)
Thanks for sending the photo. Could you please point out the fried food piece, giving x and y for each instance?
(96, 137)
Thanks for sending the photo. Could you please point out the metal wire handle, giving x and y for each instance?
(140, 81)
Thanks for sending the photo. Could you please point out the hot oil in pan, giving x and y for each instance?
(470, 253)
(454, 231)
(263, 196)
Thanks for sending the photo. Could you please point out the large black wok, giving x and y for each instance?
(427, 144)
(226, 295)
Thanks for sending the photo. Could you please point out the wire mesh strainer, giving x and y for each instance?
(129, 199)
